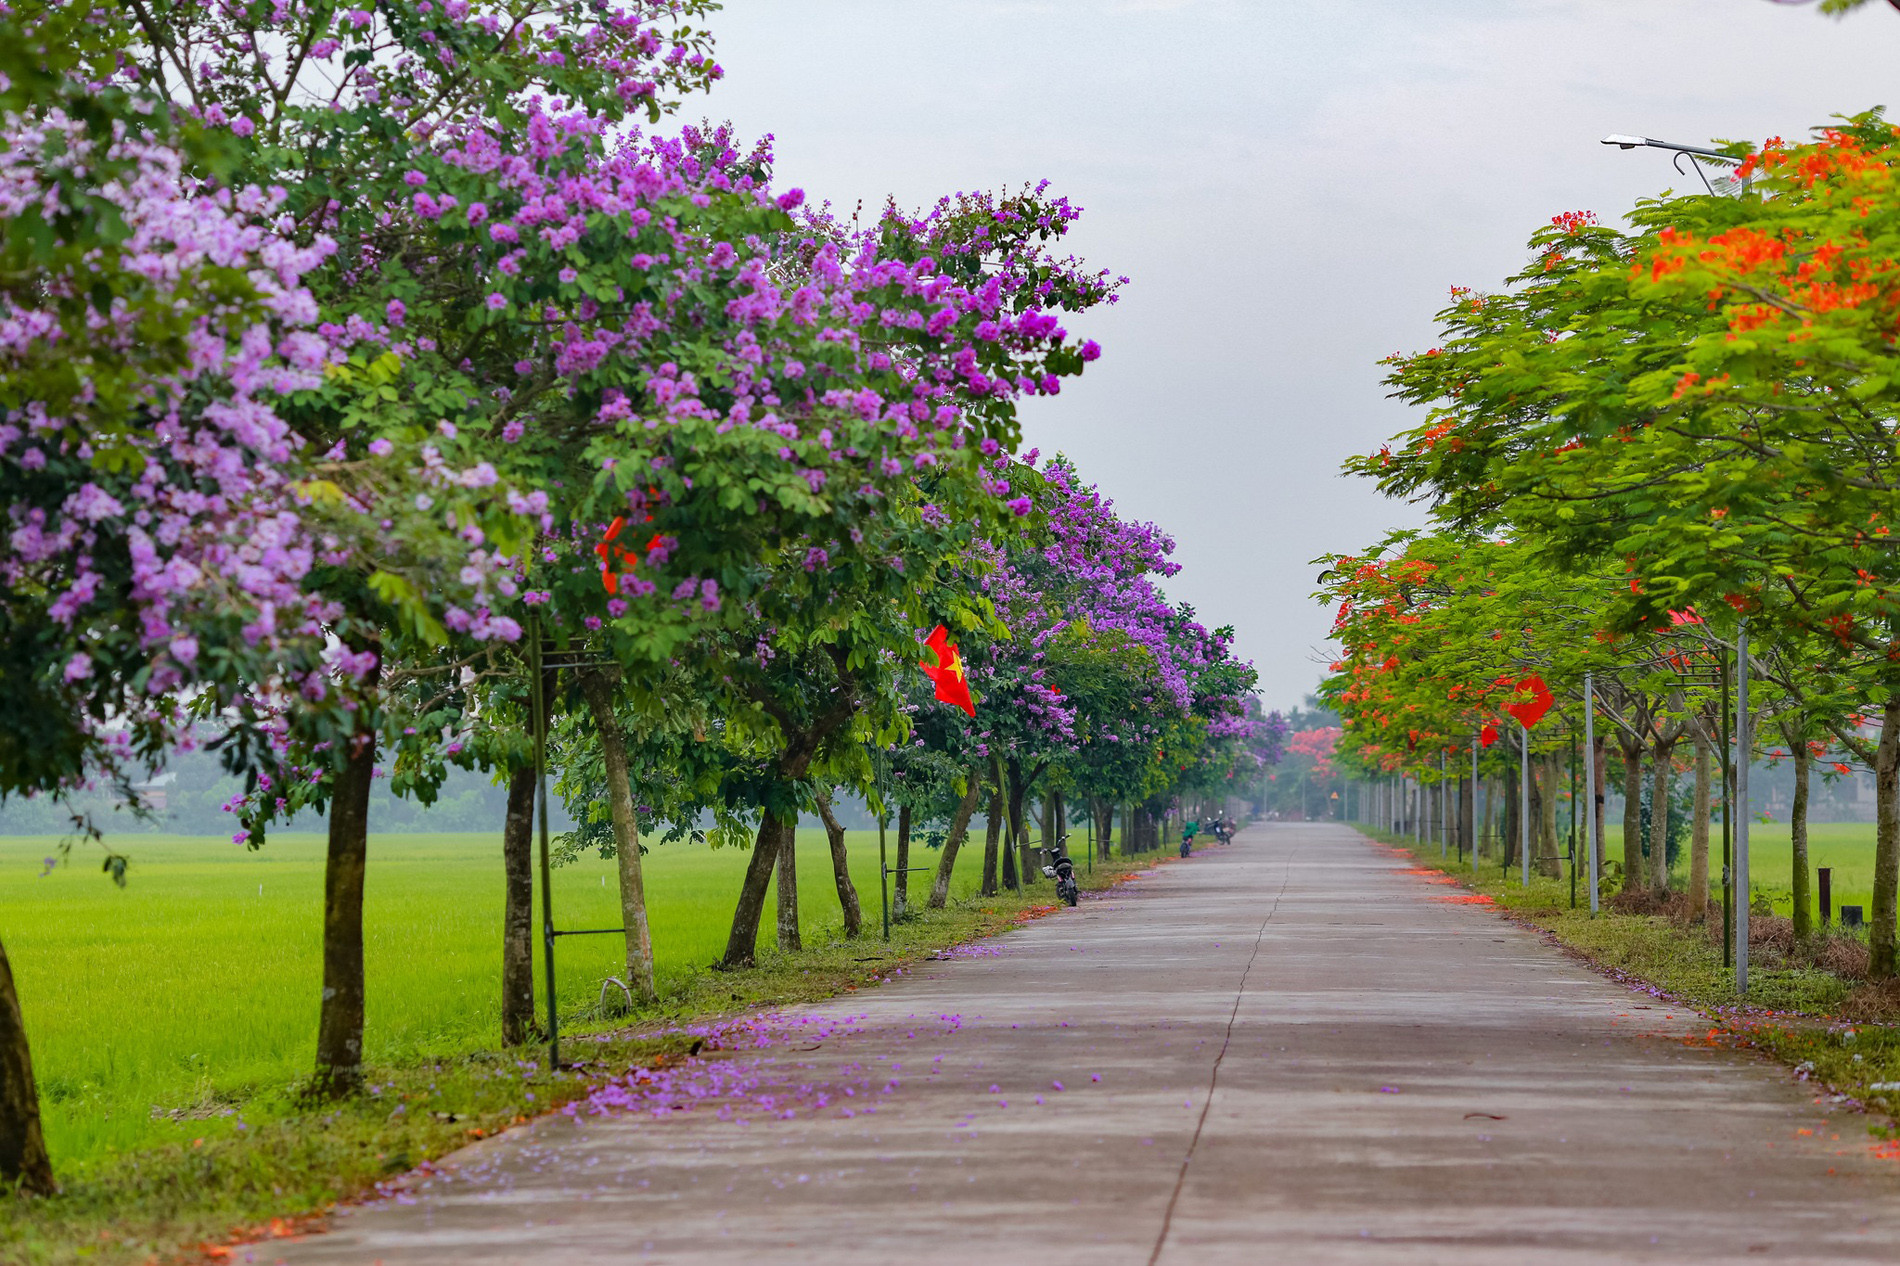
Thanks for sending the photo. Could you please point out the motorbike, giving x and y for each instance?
(1223, 831)
(1062, 870)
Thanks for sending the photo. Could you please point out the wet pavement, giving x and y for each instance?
(1292, 1049)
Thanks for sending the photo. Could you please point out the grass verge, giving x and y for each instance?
(1807, 1005)
(269, 1164)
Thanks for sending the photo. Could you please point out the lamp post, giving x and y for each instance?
(1696, 154)
(1743, 747)
(1590, 784)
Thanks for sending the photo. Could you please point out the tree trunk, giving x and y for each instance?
(742, 943)
(1662, 782)
(1467, 815)
(517, 910)
(1019, 824)
(1511, 830)
(959, 827)
(340, 1017)
(598, 688)
(992, 833)
(841, 870)
(1880, 930)
(900, 886)
(1632, 817)
(788, 938)
(1489, 788)
(1699, 829)
(23, 1158)
(1598, 798)
(1798, 833)
(1548, 864)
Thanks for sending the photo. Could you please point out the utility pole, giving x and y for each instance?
(1590, 784)
(1742, 750)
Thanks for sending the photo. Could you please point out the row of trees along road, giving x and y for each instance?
(1653, 437)
(352, 355)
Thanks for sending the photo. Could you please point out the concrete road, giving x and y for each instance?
(1286, 1050)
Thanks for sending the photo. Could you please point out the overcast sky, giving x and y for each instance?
(1292, 188)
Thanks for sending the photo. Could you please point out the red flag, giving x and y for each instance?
(1488, 735)
(953, 687)
(610, 554)
(1533, 699)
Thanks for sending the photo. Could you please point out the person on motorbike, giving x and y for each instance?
(1189, 830)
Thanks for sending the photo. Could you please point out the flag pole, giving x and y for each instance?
(1524, 803)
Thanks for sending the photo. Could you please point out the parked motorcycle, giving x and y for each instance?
(1062, 870)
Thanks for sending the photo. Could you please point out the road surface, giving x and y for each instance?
(1286, 1050)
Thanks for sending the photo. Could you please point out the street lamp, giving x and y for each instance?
(1696, 154)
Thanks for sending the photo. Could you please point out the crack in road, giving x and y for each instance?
(1213, 1077)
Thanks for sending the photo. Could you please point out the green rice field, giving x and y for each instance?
(1847, 847)
(151, 1008)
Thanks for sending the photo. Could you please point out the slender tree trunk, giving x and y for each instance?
(517, 910)
(742, 943)
(1548, 864)
(788, 938)
(1632, 818)
(1599, 798)
(1699, 829)
(1512, 831)
(1880, 931)
(340, 1016)
(599, 690)
(992, 833)
(1662, 782)
(23, 1158)
(1019, 823)
(1798, 833)
(1479, 845)
(959, 827)
(841, 870)
(900, 887)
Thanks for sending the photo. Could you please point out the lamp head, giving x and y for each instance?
(1624, 142)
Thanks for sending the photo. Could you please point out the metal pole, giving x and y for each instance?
(541, 796)
(1524, 803)
(1742, 751)
(1728, 799)
(1590, 784)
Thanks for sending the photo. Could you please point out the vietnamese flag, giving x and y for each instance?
(1532, 699)
(611, 555)
(953, 687)
(1488, 735)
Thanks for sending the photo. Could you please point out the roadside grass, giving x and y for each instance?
(1832, 1027)
(173, 1020)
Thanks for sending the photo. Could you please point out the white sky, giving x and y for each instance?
(1292, 189)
